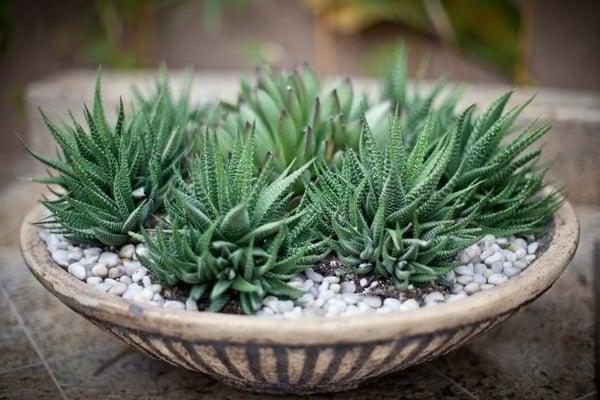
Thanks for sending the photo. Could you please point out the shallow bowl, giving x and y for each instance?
(302, 356)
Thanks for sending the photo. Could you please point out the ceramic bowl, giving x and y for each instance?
(305, 356)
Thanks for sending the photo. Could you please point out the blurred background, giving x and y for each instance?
(545, 43)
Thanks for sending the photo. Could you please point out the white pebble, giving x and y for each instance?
(464, 279)
(191, 305)
(100, 270)
(464, 269)
(365, 308)
(331, 279)
(532, 248)
(464, 257)
(61, 257)
(78, 271)
(486, 253)
(497, 279)
(144, 296)
(116, 272)
(126, 279)
(92, 252)
(306, 299)
(146, 281)
(109, 259)
(511, 271)
(93, 280)
(520, 253)
(159, 299)
(391, 303)
(314, 276)
(118, 289)
(296, 284)
(156, 288)
(472, 288)
(335, 287)
(479, 279)
(494, 258)
(497, 267)
(88, 262)
(131, 266)
(486, 286)
(363, 282)
(502, 241)
(326, 295)
(323, 287)
(104, 287)
(127, 251)
(521, 264)
(521, 243)
(350, 298)
(132, 290)
(509, 256)
(479, 268)
(174, 304)
(348, 287)
(457, 288)
(435, 297)
(271, 302)
(530, 257)
(75, 254)
(407, 305)
(372, 301)
(139, 274)
(142, 251)
(285, 306)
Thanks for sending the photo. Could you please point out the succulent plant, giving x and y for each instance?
(413, 104)
(110, 179)
(404, 213)
(228, 231)
(297, 118)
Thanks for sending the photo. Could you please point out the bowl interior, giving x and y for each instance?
(485, 305)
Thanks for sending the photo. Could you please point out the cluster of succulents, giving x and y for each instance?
(235, 201)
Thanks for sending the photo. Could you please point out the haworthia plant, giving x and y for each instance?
(405, 212)
(110, 178)
(297, 117)
(229, 232)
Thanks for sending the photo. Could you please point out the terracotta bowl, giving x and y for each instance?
(311, 355)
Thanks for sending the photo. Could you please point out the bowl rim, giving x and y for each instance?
(210, 327)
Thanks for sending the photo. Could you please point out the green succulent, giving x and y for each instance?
(414, 104)
(405, 213)
(176, 111)
(297, 118)
(110, 179)
(228, 231)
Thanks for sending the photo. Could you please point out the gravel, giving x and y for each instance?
(484, 265)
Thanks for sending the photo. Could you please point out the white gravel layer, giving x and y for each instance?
(490, 262)
(114, 271)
